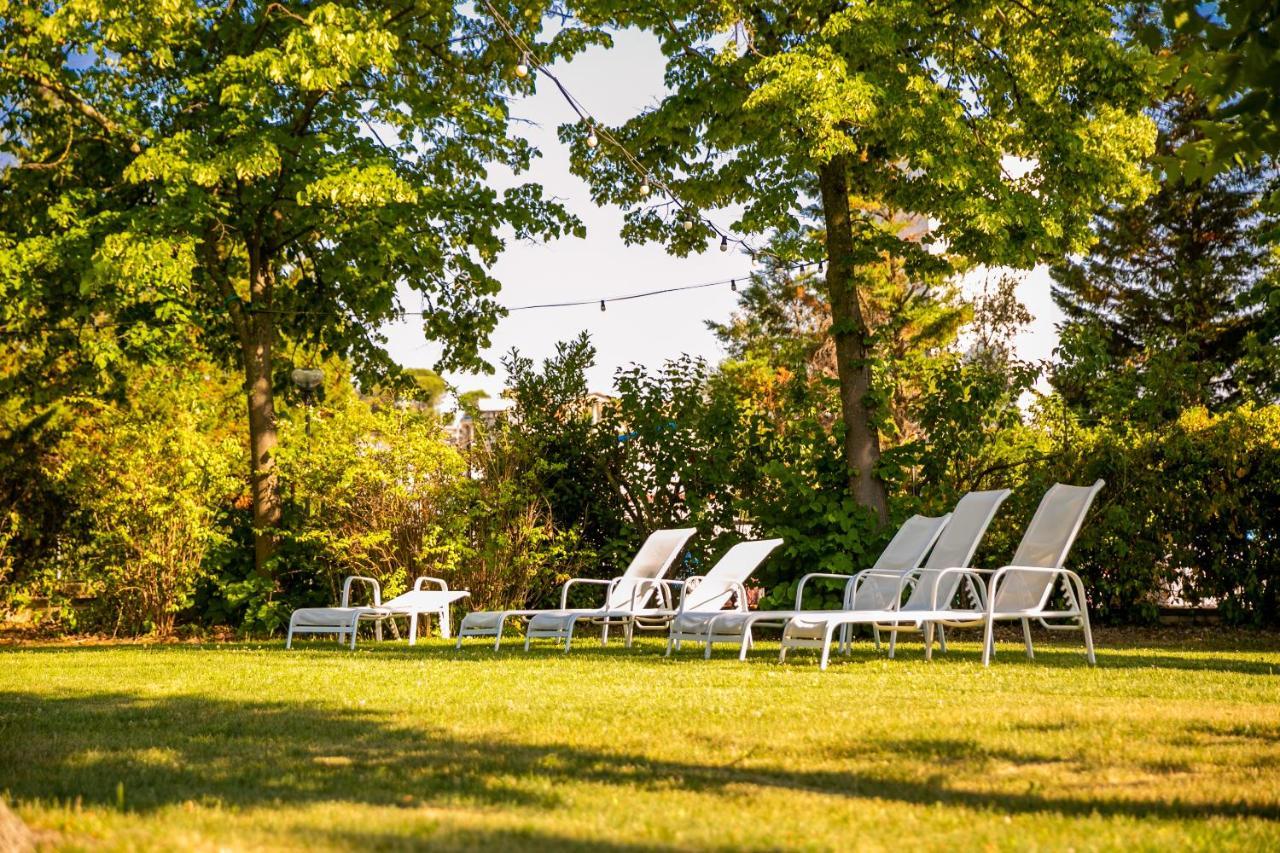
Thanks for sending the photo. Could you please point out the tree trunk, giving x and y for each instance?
(849, 330)
(256, 343)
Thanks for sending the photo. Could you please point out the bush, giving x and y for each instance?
(373, 492)
(145, 479)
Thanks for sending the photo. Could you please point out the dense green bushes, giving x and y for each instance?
(1190, 510)
(153, 526)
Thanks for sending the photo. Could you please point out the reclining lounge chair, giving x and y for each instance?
(627, 602)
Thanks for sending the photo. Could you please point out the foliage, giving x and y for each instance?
(373, 491)
(216, 178)
(1188, 511)
(1169, 309)
(880, 109)
(1227, 53)
(514, 556)
(145, 479)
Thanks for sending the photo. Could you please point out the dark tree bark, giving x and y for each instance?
(257, 338)
(849, 331)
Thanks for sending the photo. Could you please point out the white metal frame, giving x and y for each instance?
(636, 615)
(894, 563)
(742, 559)
(345, 620)
(986, 592)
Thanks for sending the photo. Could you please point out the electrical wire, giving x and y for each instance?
(530, 58)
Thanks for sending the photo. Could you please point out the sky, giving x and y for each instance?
(614, 84)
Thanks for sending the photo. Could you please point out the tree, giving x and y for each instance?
(222, 176)
(785, 319)
(908, 105)
(1169, 309)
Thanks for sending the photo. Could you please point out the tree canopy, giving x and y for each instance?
(227, 176)
(1005, 126)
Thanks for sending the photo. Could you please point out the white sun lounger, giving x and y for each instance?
(954, 549)
(878, 585)
(703, 597)
(627, 601)
(1020, 591)
(345, 619)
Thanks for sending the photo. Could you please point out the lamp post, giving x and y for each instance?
(308, 379)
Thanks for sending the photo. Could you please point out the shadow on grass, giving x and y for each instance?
(1058, 655)
(1052, 651)
(242, 753)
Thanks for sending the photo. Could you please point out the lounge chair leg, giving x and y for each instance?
(1026, 637)
(288, 641)
(893, 643)
(568, 635)
(988, 642)
(629, 633)
(1084, 626)
(354, 629)
(377, 630)
(497, 638)
(413, 628)
(826, 649)
(604, 633)
(527, 639)
(942, 639)
(458, 645)
(875, 631)
(667, 653)
(446, 630)
(746, 643)
(928, 641)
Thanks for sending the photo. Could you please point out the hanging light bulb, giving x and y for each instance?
(644, 187)
(724, 243)
(733, 285)
(522, 69)
(687, 224)
(601, 304)
(592, 141)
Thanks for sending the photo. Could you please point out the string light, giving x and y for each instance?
(592, 140)
(724, 244)
(601, 305)
(522, 69)
(733, 285)
(532, 62)
(687, 225)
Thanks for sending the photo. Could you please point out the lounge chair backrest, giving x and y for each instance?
(882, 585)
(653, 560)
(1045, 545)
(955, 548)
(717, 588)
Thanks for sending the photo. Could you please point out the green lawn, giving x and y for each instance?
(1171, 741)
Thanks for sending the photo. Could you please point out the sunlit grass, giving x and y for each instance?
(1170, 742)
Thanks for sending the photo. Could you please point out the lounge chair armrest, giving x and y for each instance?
(564, 590)
(346, 590)
(689, 585)
(417, 585)
(974, 575)
(826, 575)
(1072, 578)
(641, 588)
(904, 579)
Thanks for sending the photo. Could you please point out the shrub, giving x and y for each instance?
(145, 479)
(374, 491)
